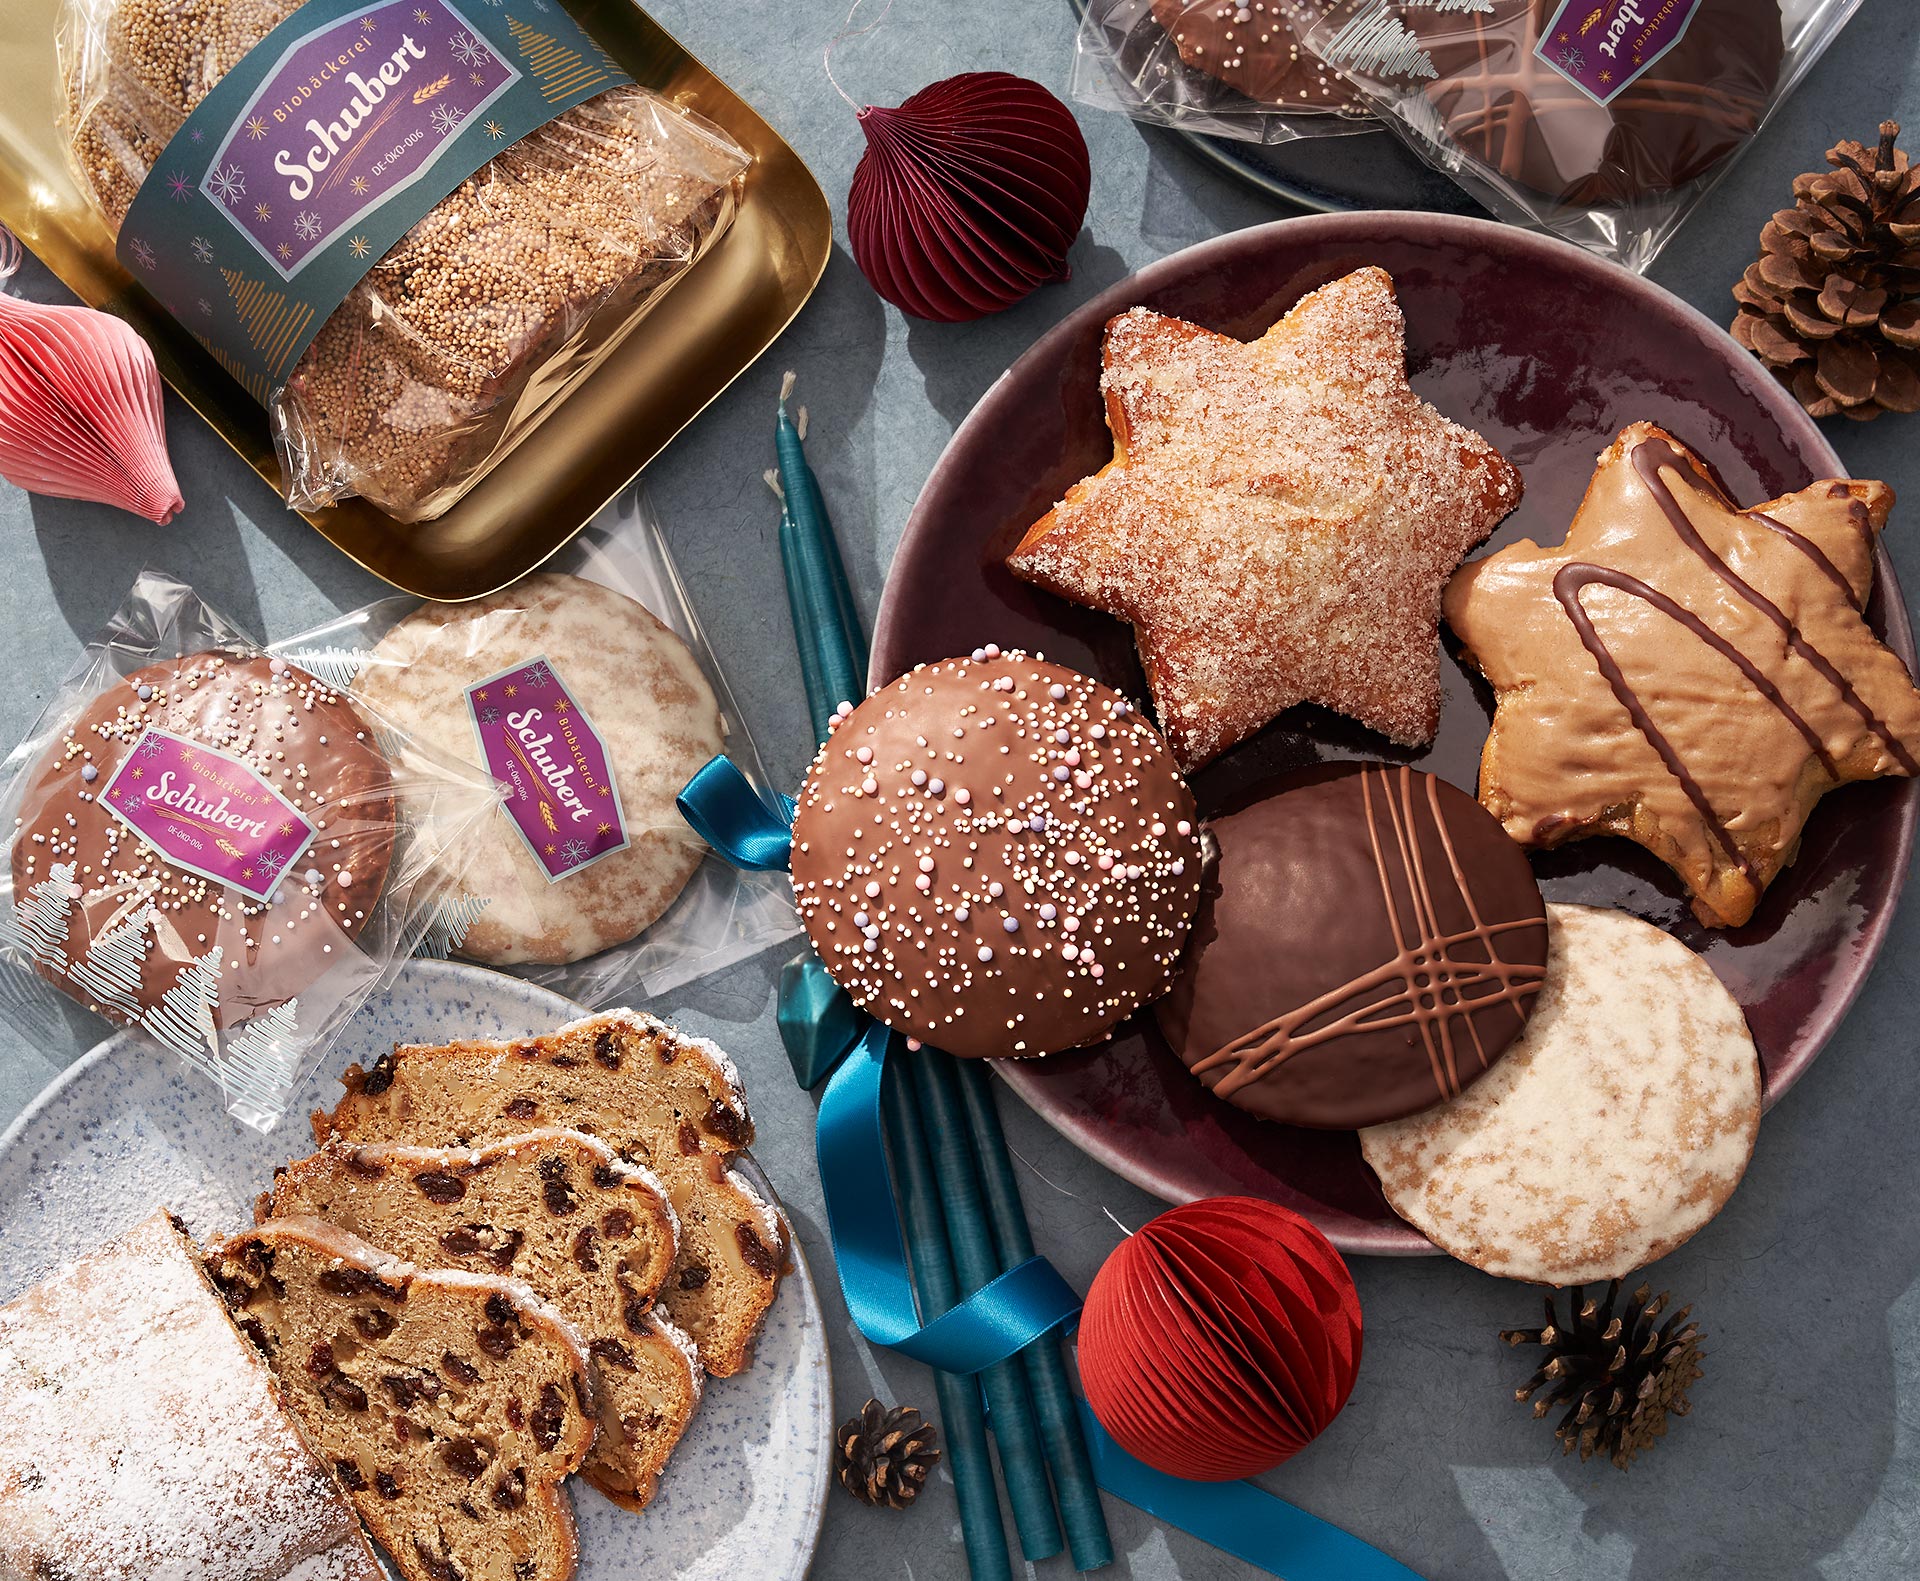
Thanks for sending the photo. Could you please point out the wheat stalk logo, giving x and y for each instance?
(1586, 27)
(546, 817)
(230, 848)
(421, 95)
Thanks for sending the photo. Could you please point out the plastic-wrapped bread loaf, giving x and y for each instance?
(458, 338)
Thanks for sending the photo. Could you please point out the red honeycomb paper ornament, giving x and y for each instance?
(80, 414)
(1221, 1339)
(968, 196)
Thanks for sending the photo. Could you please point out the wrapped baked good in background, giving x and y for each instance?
(1223, 68)
(1602, 121)
(217, 848)
(460, 337)
(588, 691)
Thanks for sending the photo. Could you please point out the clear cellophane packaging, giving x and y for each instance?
(641, 702)
(1148, 59)
(214, 849)
(1604, 122)
(510, 290)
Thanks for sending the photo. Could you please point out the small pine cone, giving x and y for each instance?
(884, 1456)
(1832, 304)
(1618, 1375)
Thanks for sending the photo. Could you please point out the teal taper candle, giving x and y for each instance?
(833, 628)
(1073, 1481)
(801, 598)
(1023, 1466)
(960, 1413)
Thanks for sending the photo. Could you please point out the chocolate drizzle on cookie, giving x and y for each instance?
(1685, 673)
(1369, 945)
(1650, 456)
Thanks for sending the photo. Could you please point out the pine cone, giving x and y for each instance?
(884, 1456)
(1619, 1376)
(1832, 305)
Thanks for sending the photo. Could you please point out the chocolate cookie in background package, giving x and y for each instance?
(589, 692)
(398, 354)
(1223, 68)
(1602, 121)
(218, 849)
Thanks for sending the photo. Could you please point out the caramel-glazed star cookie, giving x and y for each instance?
(1685, 673)
(1278, 518)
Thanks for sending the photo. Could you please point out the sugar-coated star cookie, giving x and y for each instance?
(1278, 518)
(1685, 673)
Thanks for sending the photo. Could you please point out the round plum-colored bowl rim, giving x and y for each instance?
(1401, 1240)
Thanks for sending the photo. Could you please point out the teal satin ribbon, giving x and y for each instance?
(1025, 1302)
(728, 813)
(870, 1250)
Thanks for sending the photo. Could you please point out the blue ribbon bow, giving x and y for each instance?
(1022, 1304)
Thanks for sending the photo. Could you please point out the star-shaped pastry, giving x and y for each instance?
(1685, 673)
(1278, 519)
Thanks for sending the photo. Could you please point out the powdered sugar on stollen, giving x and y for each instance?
(1615, 1127)
(685, 1042)
(1278, 520)
(143, 1438)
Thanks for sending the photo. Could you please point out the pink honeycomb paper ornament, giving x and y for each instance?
(80, 414)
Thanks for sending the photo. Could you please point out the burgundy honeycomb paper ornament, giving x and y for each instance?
(80, 414)
(968, 196)
(1221, 1339)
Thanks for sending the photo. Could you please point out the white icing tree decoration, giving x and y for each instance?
(262, 1062)
(447, 926)
(183, 1020)
(1375, 42)
(331, 665)
(40, 920)
(110, 970)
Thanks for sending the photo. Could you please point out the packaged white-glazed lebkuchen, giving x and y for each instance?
(589, 692)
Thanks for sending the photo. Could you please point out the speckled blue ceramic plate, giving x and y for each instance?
(124, 1130)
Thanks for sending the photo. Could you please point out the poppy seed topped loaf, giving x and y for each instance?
(417, 380)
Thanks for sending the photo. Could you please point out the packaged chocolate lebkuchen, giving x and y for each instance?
(218, 849)
(1219, 68)
(1602, 121)
(405, 228)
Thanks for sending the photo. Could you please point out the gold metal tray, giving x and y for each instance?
(708, 328)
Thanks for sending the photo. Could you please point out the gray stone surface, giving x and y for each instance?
(1802, 1459)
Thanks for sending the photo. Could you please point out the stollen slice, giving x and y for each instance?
(656, 1096)
(1614, 1128)
(451, 1405)
(590, 1233)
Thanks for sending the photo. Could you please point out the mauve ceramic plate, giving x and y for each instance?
(1548, 352)
(125, 1128)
